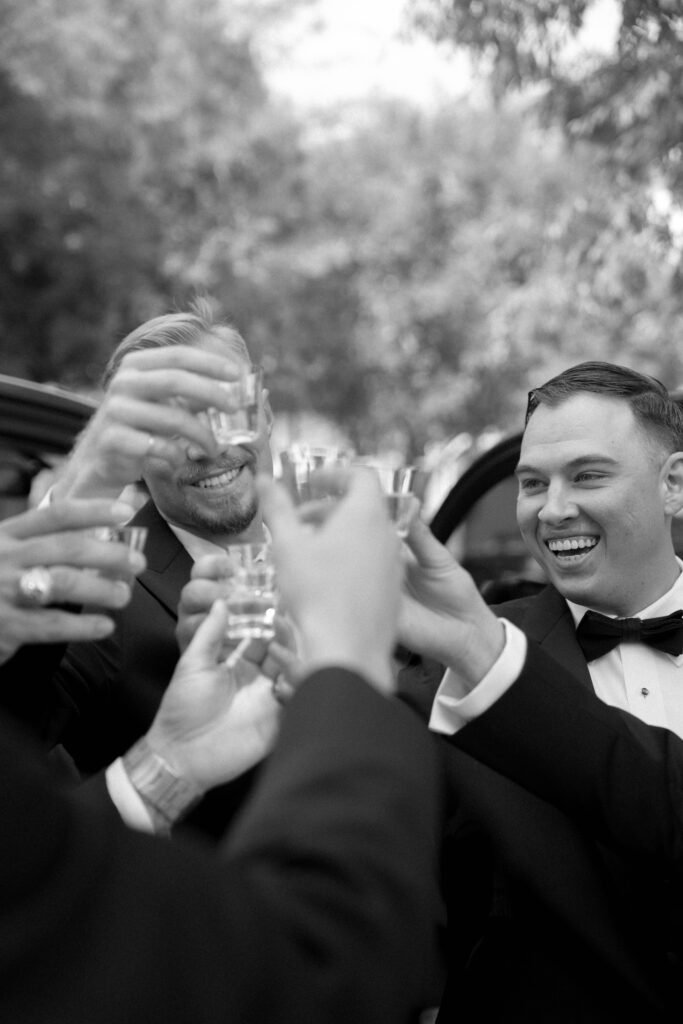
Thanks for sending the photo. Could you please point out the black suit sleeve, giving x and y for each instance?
(320, 907)
(619, 777)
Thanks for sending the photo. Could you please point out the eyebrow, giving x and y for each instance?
(581, 460)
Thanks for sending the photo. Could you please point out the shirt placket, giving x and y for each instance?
(642, 683)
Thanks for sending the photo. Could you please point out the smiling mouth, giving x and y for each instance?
(567, 548)
(224, 479)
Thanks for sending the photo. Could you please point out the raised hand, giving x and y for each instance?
(443, 615)
(149, 411)
(214, 722)
(339, 578)
(51, 557)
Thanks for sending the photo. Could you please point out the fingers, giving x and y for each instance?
(54, 625)
(125, 440)
(198, 596)
(72, 586)
(282, 689)
(184, 357)
(424, 545)
(212, 567)
(281, 660)
(126, 422)
(284, 632)
(79, 550)
(66, 515)
(207, 643)
(364, 492)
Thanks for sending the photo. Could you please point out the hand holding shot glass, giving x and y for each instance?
(398, 484)
(250, 593)
(399, 488)
(134, 537)
(301, 471)
(241, 426)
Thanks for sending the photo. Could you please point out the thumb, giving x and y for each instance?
(206, 645)
(428, 551)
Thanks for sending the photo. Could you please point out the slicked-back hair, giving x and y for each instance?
(186, 328)
(652, 406)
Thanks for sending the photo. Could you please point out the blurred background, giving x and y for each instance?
(413, 210)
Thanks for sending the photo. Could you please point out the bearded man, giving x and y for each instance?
(202, 498)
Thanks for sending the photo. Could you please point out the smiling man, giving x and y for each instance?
(600, 477)
(202, 498)
(551, 918)
(600, 480)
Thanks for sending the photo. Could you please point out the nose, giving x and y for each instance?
(194, 453)
(558, 505)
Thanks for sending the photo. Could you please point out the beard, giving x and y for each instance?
(232, 520)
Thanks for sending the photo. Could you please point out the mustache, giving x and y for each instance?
(223, 464)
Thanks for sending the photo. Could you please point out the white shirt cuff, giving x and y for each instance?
(453, 707)
(126, 799)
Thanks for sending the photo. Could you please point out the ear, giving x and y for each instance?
(672, 482)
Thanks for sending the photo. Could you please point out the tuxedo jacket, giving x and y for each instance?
(313, 910)
(551, 916)
(105, 693)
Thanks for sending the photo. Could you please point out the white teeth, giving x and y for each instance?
(218, 481)
(572, 544)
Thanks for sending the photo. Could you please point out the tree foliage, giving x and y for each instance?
(406, 275)
(630, 100)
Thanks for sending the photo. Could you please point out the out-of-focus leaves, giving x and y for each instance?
(629, 101)
(407, 275)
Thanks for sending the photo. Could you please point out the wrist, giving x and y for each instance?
(367, 660)
(165, 792)
(474, 660)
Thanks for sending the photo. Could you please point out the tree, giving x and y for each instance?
(132, 136)
(629, 101)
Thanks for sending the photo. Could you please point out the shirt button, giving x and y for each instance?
(644, 691)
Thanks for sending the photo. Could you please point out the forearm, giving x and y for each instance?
(619, 776)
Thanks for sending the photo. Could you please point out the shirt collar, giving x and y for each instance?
(197, 547)
(664, 605)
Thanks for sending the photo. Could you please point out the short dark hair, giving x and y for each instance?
(176, 329)
(651, 403)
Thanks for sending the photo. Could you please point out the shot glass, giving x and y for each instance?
(398, 485)
(250, 594)
(300, 471)
(135, 537)
(244, 424)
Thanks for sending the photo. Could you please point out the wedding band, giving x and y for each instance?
(151, 441)
(35, 587)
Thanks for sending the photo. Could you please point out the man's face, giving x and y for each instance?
(594, 504)
(214, 498)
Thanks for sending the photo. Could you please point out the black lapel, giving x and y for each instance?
(168, 563)
(546, 618)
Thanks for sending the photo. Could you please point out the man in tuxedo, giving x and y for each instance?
(572, 928)
(295, 917)
(600, 480)
(201, 499)
(562, 859)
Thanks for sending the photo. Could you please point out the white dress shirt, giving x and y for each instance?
(641, 679)
(633, 676)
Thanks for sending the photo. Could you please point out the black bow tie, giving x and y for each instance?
(597, 634)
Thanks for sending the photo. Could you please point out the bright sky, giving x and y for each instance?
(350, 49)
(344, 50)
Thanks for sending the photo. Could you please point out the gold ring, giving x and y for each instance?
(35, 587)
